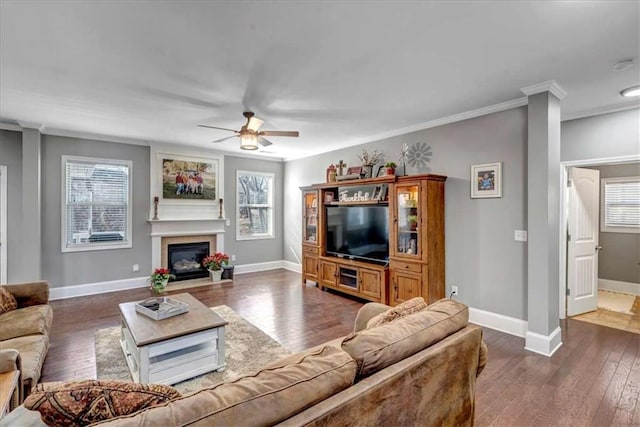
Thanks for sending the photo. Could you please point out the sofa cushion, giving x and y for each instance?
(32, 349)
(265, 398)
(403, 309)
(32, 320)
(85, 402)
(376, 348)
(7, 301)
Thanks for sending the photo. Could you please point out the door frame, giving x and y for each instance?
(3, 225)
(564, 203)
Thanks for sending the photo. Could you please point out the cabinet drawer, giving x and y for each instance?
(310, 250)
(407, 266)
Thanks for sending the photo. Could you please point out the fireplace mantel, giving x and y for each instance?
(184, 227)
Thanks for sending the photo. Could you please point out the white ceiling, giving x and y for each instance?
(339, 72)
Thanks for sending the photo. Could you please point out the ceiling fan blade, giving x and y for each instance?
(264, 142)
(279, 133)
(224, 139)
(215, 127)
(254, 123)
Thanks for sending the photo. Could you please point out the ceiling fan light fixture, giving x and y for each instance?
(249, 141)
(631, 91)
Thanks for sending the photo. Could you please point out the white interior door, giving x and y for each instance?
(582, 253)
(3, 225)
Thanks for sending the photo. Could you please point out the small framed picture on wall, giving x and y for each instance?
(486, 180)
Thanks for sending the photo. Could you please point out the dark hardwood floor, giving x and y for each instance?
(593, 379)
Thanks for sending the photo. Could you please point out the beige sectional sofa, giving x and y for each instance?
(26, 330)
(416, 370)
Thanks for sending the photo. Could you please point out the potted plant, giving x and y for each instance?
(159, 279)
(369, 160)
(390, 168)
(214, 264)
(412, 220)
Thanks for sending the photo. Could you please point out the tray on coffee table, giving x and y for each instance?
(159, 308)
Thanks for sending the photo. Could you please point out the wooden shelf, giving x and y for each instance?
(359, 202)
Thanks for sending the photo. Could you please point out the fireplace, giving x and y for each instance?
(185, 260)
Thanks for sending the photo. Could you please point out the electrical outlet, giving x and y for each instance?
(233, 257)
(136, 267)
(520, 235)
(454, 291)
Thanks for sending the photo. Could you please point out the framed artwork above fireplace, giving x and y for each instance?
(189, 178)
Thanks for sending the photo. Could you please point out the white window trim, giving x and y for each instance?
(608, 228)
(270, 235)
(128, 243)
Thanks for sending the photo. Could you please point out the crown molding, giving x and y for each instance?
(483, 111)
(548, 86)
(9, 126)
(94, 136)
(40, 127)
(606, 109)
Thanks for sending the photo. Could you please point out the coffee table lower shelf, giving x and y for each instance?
(173, 360)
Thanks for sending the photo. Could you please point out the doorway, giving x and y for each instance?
(3, 225)
(600, 256)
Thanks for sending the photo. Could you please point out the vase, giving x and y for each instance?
(227, 272)
(159, 286)
(216, 275)
(366, 171)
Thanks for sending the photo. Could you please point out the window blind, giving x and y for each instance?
(255, 206)
(622, 202)
(96, 203)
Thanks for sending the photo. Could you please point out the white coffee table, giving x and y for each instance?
(175, 349)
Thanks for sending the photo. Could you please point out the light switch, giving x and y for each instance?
(520, 235)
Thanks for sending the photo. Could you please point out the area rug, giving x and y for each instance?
(247, 350)
(615, 301)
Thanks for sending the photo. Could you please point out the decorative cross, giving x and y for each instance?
(341, 165)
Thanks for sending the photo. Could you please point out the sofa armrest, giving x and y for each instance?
(31, 293)
(482, 359)
(365, 314)
(10, 361)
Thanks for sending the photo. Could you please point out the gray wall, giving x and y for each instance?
(620, 259)
(74, 268)
(253, 251)
(11, 157)
(482, 257)
(597, 137)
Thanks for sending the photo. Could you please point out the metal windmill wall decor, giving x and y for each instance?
(418, 156)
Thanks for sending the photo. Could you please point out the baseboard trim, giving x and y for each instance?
(498, 322)
(545, 345)
(141, 282)
(618, 286)
(97, 288)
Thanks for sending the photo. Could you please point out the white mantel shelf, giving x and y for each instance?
(186, 227)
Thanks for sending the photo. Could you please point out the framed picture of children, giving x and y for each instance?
(189, 179)
(486, 180)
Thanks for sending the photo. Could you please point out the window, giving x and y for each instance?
(96, 204)
(254, 216)
(620, 205)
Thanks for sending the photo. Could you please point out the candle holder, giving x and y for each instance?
(220, 216)
(155, 208)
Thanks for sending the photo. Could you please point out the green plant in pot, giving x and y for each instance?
(159, 279)
(390, 168)
(412, 220)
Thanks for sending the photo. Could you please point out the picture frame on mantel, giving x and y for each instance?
(486, 180)
(183, 178)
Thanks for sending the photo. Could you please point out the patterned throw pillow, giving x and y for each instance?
(403, 309)
(7, 301)
(85, 402)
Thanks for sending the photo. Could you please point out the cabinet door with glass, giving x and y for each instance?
(310, 226)
(407, 206)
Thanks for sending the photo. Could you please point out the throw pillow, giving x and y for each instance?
(86, 402)
(403, 309)
(7, 301)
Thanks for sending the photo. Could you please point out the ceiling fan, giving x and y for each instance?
(249, 134)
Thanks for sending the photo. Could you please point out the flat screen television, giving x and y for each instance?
(358, 232)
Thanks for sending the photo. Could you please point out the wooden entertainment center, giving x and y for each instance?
(414, 264)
